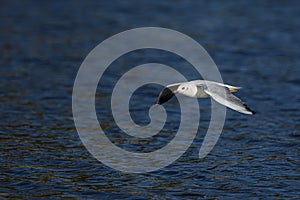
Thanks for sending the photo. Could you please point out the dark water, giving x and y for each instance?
(254, 44)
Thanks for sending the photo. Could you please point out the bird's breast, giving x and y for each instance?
(200, 93)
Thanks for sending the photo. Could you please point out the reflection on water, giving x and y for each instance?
(255, 46)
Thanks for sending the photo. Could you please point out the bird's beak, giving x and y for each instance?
(175, 91)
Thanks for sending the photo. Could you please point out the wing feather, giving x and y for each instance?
(167, 93)
(224, 97)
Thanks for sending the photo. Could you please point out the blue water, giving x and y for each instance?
(254, 44)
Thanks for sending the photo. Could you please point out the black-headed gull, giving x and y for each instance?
(220, 92)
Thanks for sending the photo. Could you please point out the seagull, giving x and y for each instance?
(221, 93)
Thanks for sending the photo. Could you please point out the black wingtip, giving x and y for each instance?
(159, 101)
(164, 96)
(249, 109)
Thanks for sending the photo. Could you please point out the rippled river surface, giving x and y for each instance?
(255, 45)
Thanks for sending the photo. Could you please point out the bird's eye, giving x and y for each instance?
(183, 88)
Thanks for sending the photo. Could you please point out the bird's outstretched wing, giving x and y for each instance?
(167, 93)
(223, 96)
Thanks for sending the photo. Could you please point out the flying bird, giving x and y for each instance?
(221, 93)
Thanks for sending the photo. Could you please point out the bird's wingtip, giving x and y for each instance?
(250, 110)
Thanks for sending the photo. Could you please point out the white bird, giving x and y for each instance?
(203, 89)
